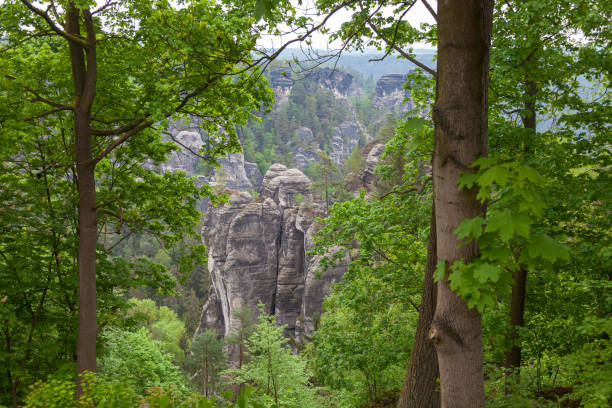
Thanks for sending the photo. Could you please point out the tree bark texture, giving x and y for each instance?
(84, 74)
(460, 116)
(517, 310)
(420, 389)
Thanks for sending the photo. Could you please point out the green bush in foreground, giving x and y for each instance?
(110, 393)
(60, 393)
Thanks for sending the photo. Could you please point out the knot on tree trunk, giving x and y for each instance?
(442, 330)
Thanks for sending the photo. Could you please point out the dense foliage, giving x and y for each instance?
(541, 280)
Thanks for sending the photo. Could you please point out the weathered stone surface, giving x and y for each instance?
(254, 175)
(257, 252)
(290, 279)
(317, 283)
(389, 83)
(232, 173)
(304, 134)
(281, 78)
(214, 315)
(368, 176)
(304, 156)
(337, 81)
(283, 185)
(390, 97)
(281, 82)
(242, 240)
(346, 138)
(184, 159)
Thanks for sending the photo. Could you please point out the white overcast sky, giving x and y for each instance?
(417, 15)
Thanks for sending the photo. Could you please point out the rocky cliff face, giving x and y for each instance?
(235, 173)
(258, 245)
(183, 159)
(257, 252)
(346, 138)
(333, 79)
(390, 96)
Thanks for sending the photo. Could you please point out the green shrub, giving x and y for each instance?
(60, 393)
(139, 359)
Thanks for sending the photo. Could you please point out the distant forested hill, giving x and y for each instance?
(364, 64)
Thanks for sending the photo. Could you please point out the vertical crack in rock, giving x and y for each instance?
(257, 252)
(278, 243)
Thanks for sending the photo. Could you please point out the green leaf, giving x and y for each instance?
(467, 180)
(484, 162)
(502, 222)
(541, 245)
(470, 228)
(260, 9)
(486, 272)
(498, 175)
(530, 174)
(522, 224)
(440, 271)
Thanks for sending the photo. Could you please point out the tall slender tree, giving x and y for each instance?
(460, 117)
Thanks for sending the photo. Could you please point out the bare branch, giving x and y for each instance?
(175, 140)
(104, 204)
(106, 5)
(402, 52)
(25, 39)
(431, 10)
(302, 37)
(40, 98)
(51, 166)
(55, 13)
(540, 46)
(418, 188)
(392, 45)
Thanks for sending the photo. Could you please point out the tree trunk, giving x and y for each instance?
(517, 309)
(460, 116)
(517, 302)
(84, 75)
(420, 385)
(88, 236)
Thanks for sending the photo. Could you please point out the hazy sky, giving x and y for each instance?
(417, 15)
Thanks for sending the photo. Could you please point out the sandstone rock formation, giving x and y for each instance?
(235, 173)
(368, 176)
(390, 96)
(346, 138)
(339, 82)
(254, 175)
(257, 252)
(281, 83)
(390, 83)
(183, 159)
